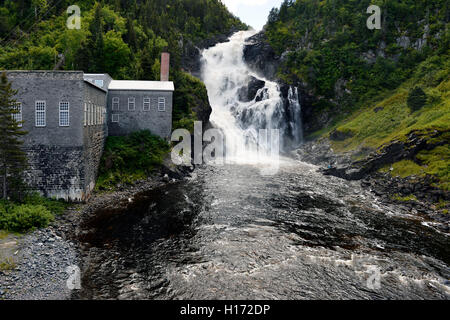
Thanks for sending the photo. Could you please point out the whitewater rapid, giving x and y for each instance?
(225, 74)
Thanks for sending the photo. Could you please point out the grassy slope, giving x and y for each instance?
(390, 119)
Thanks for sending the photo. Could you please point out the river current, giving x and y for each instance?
(229, 232)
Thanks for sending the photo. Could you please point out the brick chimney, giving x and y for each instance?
(165, 66)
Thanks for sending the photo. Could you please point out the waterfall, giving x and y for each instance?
(295, 121)
(243, 102)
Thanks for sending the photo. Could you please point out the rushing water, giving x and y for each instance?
(225, 75)
(231, 233)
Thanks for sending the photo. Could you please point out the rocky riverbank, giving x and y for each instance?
(416, 194)
(38, 261)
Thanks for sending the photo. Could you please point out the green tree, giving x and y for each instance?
(12, 158)
(417, 98)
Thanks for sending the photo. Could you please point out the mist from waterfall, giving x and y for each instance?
(225, 75)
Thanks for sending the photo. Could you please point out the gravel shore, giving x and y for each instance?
(42, 257)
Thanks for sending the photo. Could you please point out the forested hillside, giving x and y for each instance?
(363, 82)
(121, 37)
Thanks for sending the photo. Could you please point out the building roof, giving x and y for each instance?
(142, 85)
(94, 85)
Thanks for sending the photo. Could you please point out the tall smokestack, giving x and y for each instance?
(165, 62)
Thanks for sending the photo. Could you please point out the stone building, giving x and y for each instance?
(140, 105)
(69, 114)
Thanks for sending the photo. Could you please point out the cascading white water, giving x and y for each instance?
(225, 74)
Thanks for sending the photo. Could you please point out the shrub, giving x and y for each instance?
(417, 99)
(25, 217)
(130, 158)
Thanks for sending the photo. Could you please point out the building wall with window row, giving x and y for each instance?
(68, 116)
(57, 144)
(130, 111)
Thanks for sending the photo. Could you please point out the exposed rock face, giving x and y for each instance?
(421, 190)
(391, 153)
(260, 56)
(248, 93)
(191, 58)
(203, 110)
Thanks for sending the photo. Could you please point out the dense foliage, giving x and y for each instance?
(121, 37)
(416, 98)
(130, 158)
(329, 47)
(13, 159)
(382, 84)
(30, 213)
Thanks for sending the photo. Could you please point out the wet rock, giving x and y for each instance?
(260, 56)
(248, 93)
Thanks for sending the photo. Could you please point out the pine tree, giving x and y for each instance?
(95, 44)
(13, 159)
(417, 98)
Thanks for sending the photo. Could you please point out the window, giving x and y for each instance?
(162, 104)
(146, 105)
(115, 118)
(131, 104)
(115, 104)
(92, 114)
(64, 120)
(40, 114)
(18, 116)
(85, 114)
(98, 83)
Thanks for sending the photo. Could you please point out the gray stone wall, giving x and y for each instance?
(94, 137)
(60, 163)
(56, 172)
(158, 122)
(51, 87)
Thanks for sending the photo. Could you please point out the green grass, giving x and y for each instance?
(390, 119)
(4, 234)
(7, 264)
(130, 158)
(404, 168)
(398, 197)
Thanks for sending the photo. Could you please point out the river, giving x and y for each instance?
(229, 232)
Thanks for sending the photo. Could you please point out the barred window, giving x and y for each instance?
(131, 104)
(162, 104)
(17, 116)
(40, 114)
(115, 118)
(64, 120)
(115, 104)
(146, 105)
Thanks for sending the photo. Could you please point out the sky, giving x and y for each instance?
(252, 12)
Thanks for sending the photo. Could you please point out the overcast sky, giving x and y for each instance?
(252, 12)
